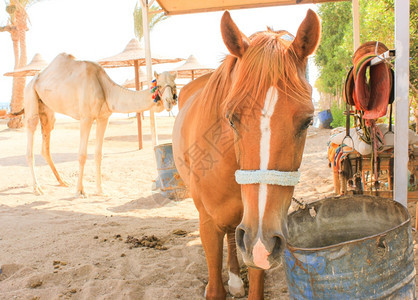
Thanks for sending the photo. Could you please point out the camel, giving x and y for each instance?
(83, 91)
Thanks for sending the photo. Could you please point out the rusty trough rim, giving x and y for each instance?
(160, 145)
(292, 248)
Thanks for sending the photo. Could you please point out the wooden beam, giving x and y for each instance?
(145, 8)
(356, 25)
(179, 7)
(138, 115)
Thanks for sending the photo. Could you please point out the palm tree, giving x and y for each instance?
(17, 27)
(154, 17)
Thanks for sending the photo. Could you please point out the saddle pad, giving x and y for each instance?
(369, 88)
(372, 96)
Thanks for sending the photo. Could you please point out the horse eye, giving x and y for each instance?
(233, 120)
(308, 123)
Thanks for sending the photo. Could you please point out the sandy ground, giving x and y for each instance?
(56, 246)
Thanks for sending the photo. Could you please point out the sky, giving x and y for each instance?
(95, 29)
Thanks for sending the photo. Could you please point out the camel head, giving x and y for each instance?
(167, 91)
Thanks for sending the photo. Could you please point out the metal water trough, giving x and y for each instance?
(351, 247)
(169, 180)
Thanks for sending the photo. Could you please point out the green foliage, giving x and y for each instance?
(334, 52)
(338, 117)
(413, 49)
(333, 56)
(153, 18)
(377, 22)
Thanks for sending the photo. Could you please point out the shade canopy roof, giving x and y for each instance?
(130, 83)
(192, 68)
(177, 7)
(31, 69)
(133, 51)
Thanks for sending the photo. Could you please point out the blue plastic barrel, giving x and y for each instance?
(350, 247)
(169, 180)
(325, 117)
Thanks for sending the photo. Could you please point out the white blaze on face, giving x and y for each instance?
(268, 110)
(260, 257)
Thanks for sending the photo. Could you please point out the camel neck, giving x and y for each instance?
(123, 100)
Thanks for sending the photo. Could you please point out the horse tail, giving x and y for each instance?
(20, 112)
(4, 115)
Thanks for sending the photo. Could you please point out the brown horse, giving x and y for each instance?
(238, 143)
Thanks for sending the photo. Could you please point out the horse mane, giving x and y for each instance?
(269, 59)
(219, 84)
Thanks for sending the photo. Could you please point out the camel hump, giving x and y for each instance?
(67, 56)
(63, 56)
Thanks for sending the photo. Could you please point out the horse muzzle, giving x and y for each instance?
(262, 244)
(260, 252)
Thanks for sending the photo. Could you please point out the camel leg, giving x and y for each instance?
(31, 124)
(85, 127)
(31, 104)
(235, 283)
(101, 125)
(212, 241)
(47, 117)
(256, 278)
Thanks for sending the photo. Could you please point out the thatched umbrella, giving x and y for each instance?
(130, 83)
(31, 69)
(134, 55)
(192, 69)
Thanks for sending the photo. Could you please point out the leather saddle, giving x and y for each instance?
(369, 88)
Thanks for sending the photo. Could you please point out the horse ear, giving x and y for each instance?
(236, 42)
(155, 74)
(308, 35)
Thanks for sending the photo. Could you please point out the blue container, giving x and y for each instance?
(169, 180)
(350, 247)
(325, 117)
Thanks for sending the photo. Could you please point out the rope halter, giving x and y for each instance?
(157, 91)
(267, 177)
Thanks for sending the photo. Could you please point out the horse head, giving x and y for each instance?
(269, 107)
(166, 89)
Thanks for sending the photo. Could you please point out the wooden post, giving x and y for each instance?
(356, 25)
(148, 60)
(401, 101)
(138, 115)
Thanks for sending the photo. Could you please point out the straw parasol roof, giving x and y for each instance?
(31, 69)
(134, 55)
(133, 51)
(130, 83)
(192, 68)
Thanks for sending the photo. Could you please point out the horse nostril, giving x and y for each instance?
(279, 243)
(239, 237)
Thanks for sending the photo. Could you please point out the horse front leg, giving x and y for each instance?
(212, 241)
(235, 283)
(256, 278)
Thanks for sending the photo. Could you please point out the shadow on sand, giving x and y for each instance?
(20, 160)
